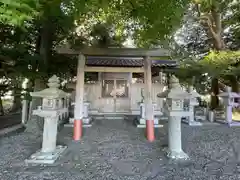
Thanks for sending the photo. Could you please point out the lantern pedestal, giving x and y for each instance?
(46, 157)
(174, 150)
(49, 152)
(190, 121)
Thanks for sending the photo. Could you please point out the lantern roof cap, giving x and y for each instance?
(175, 91)
(229, 93)
(53, 92)
(193, 93)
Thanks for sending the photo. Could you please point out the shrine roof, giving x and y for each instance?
(114, 51)
(121, 57)
(127, 61)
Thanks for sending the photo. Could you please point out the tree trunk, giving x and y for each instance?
(1, 107)
(215, 31)
(234, 84)
(214, 92)
(35, 124)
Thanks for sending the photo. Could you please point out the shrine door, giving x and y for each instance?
(115, 96)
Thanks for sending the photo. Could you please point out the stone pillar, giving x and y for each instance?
(175, 139)
(78, 109)
(49, 134)
(228, 114)
(86, 118)
(211, 115)
(191, 111)
(142, 111)
(161, 77)
(85, 110)
(149, 116)
(24, 111)
(192, 104)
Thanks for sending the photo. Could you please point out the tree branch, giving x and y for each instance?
(208, 21)
(217, 21)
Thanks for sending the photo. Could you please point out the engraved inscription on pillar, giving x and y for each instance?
(177, 105)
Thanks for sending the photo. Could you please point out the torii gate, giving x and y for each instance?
(148, 56)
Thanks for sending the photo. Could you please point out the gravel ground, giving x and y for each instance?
(117, 150)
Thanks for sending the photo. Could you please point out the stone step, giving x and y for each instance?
(109, 117)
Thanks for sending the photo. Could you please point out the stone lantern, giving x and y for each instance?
(175, 97)
(54, 107)
(192, 102)
(228, 100)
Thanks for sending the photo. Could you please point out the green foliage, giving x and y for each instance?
(17, 12)
(147, 22)
(151, 21)
(215, 64)
(220, 63)
(94, 22)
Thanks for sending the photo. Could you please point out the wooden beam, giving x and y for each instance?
(113, 69)
(129, 52)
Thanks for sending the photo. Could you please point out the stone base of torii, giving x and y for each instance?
(141, 120)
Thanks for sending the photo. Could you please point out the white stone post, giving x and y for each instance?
(142, 111)
(161, 77)
(24, 111)
(85, 110)
(49, 134)
(86, 118)
(175, 136)
(149, 116)
(191, 115)
(211, 115)
(78, 109)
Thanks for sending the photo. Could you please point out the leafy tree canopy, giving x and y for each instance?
(17, 12)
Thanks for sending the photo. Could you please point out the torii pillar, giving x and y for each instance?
(78, 109)
(149, 115)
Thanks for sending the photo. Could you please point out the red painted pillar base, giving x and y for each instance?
(150, 130)
(77, 132)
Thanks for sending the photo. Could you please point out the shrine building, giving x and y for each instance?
(124, 77)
